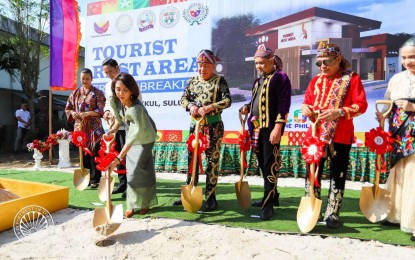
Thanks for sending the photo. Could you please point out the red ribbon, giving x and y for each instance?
(79, 140)
(244, 145)
(106, 158)
(202, 146)
(312, 151)
(379, 142)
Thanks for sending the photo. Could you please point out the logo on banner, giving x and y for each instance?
(146, 20)
(101, 28)
(169, 17)
(124, 23)
(196, 13)
(31, 219)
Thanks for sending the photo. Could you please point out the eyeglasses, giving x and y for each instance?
(325, 62)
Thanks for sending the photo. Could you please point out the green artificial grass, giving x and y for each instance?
(354, 224)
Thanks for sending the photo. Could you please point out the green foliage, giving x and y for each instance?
(354, 224)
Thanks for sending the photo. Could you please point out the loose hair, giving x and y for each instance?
(129, 82)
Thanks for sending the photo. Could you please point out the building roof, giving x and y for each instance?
(312, 14)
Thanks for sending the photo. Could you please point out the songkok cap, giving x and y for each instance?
(263, 52)
(207, 56)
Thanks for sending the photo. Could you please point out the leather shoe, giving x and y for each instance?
(257, 203)
(390, 224)
(119, 189)
(211, 203)
(129, 213)
(94, 185)
(177, 202)
(267, 212)
(332, 223)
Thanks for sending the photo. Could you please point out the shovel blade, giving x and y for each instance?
(192, 198)
(81, 179)
(375, 207)
(308, 213)
(243, 194)
(102, 188)
(105, 223)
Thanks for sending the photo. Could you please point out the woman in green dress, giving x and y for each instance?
(141, 135)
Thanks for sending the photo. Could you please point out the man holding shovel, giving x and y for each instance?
(271, 100)
(207, 95)
(339, 96)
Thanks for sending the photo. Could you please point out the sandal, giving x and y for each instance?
(143, 211)
(129, 213)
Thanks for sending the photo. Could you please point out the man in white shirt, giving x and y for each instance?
(111, 69)
(23, 125)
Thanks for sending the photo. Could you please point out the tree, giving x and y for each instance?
(230, 43)
(9, 58)
(27, 25)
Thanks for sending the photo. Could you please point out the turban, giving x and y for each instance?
(263, 52)
(207, 56)
(326, 49)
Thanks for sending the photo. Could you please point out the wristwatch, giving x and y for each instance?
(341, 112)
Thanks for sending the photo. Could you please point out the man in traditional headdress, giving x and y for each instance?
(339, 96)
(271, 100)
(207, 95)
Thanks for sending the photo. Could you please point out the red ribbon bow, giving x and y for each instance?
(379, 142)
(106, 158)
(202, 146)
(312, 151)
(79, 140)
(244, 145)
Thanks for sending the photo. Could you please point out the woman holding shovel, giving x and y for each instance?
(339, 96)
(207, 95)
(85, 106)
(141, 136)
(401, 179)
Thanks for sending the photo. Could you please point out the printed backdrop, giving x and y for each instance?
(157, 42)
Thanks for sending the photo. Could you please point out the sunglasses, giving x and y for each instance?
(325, 62)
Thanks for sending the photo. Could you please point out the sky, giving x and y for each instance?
(394, 15)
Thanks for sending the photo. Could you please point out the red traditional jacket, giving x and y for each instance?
(344, 91)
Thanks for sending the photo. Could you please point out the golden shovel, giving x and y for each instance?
(374, 201)
(309, 209)
(81, 177)
(102, 187)
(192, 196)
(243, 194)
(107, 220)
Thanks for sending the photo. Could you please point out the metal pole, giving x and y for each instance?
(50, 123)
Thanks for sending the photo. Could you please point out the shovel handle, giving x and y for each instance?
(314, 124)
(196, 141)
(243, 118)
(384, 102)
